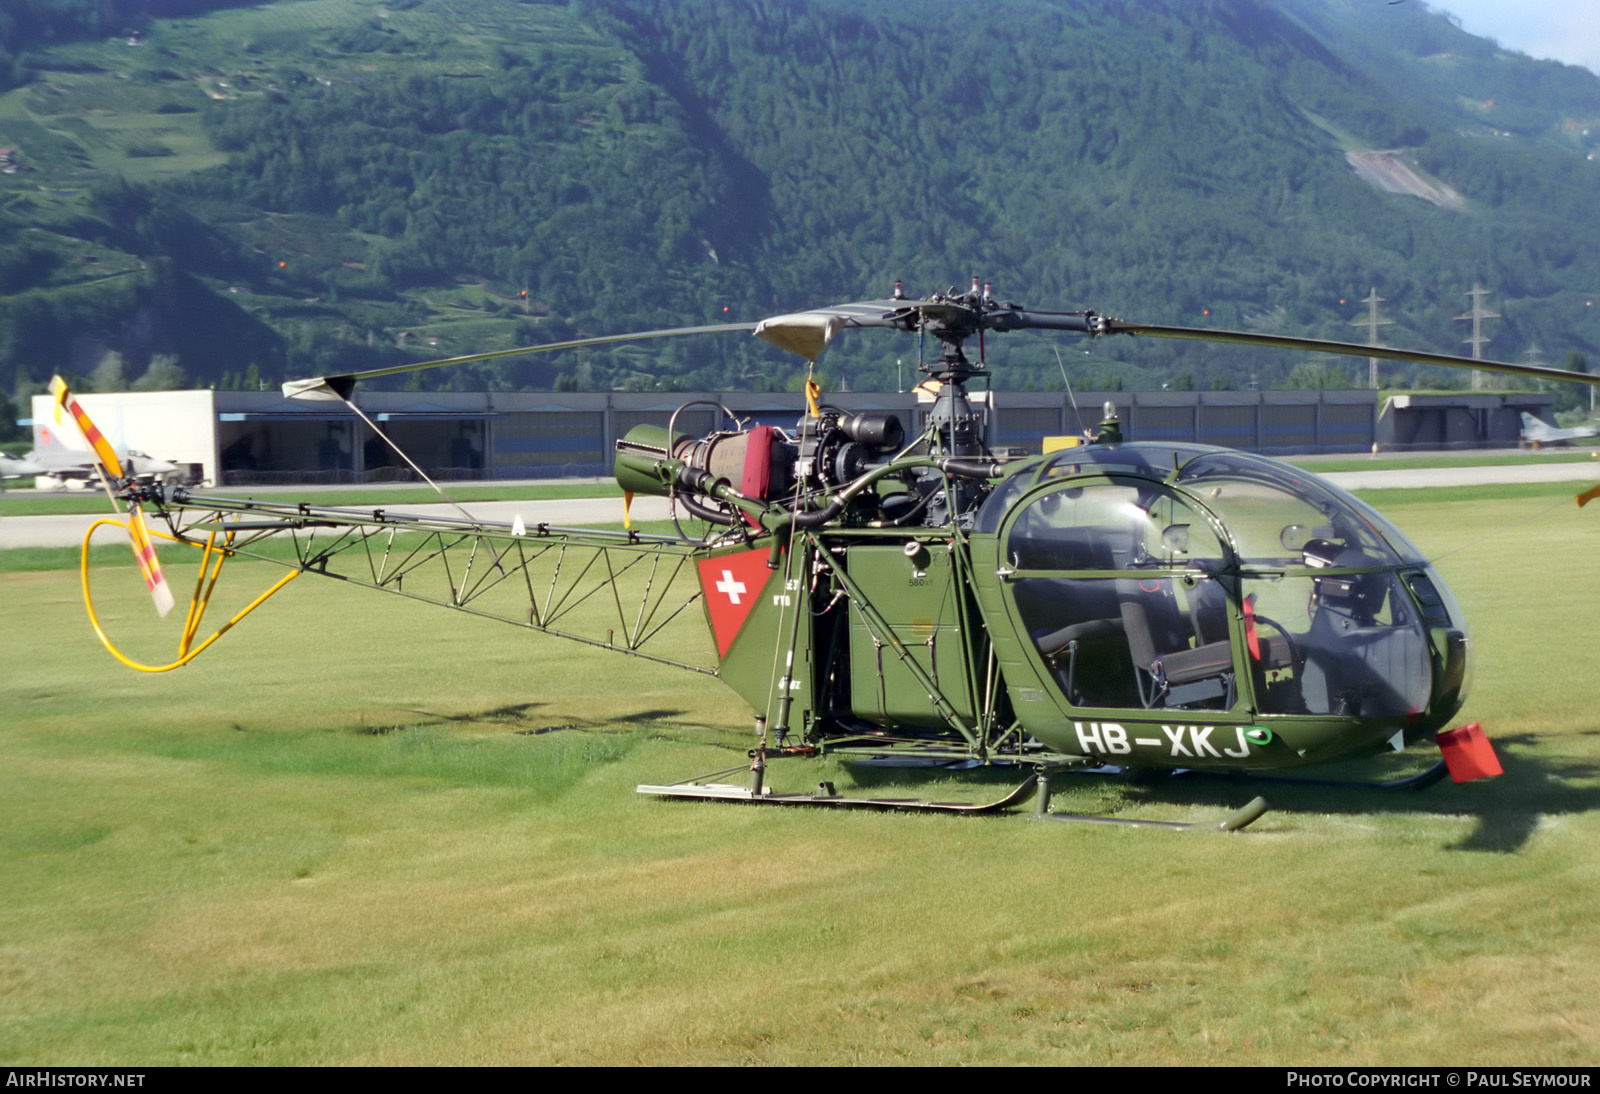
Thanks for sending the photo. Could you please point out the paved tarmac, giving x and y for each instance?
(67, 531)
(1378, 479)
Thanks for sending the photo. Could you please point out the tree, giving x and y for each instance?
(1318, 375)
(9, 429)
(1572, 397)
(111, 374)
(162, 375)
(26, 386)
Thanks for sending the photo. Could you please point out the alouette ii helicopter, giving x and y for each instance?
(874, 592)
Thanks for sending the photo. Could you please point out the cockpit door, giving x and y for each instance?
(1121, 588)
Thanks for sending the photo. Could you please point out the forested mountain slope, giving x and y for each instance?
(312, 185)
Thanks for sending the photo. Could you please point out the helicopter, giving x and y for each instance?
(888, 595)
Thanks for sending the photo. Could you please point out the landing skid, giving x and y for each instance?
(1248, 814)
(1420, 781)
(1036, 786)
(1242, 817)
(831, 798)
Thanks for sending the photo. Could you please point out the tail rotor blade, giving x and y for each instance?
(91, 433)
(144, 552)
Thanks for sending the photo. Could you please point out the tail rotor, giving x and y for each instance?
(111, 473)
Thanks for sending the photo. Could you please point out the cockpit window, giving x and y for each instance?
(1142, 620)
(1144, 460)
(1273, 511)
(1166, 577)
(1270, 500)
(1112, 526)
(1345, 644)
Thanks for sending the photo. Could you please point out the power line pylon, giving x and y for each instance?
(1372, 323)
(1478, 340)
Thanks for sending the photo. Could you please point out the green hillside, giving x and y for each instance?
(311, 185)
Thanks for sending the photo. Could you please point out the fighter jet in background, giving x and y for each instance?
(12, 467)
(54, 460)
(1536, 432)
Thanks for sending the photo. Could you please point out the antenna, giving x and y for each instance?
(1071, 398)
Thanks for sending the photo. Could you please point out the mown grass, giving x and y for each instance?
(1401, 498)
(368, 831)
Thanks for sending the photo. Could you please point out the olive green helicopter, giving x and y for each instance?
(911, 597)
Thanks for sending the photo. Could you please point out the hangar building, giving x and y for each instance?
(230, 438)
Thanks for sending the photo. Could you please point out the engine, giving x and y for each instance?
(797, 470)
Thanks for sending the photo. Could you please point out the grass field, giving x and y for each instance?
(367, 831)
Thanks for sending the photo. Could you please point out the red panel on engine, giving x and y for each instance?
(758, 463)
(757, 480)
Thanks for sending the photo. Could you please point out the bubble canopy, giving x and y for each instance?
(1167, 578)
(1270, 509)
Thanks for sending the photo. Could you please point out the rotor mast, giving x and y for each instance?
(954, 429)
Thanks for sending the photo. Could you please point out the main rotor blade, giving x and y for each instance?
(1349, 349)
(340, 387)
(882, 313)
(808, 333)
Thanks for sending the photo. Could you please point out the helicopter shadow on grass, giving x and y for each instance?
(511, 714)
(896, 772)
(1507, 809)
(523, 721)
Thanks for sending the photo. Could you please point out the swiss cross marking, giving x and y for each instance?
(732, 588)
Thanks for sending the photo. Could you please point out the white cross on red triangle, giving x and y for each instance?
(733, 585)
(728, 585)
